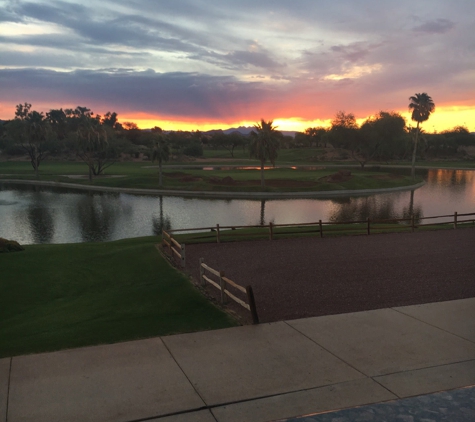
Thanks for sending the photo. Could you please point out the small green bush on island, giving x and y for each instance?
(10, 246)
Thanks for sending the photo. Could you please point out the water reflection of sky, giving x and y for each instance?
(33, 214)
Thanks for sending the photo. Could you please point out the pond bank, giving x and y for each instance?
(218, 195)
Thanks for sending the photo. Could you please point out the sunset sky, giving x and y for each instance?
(208, 64)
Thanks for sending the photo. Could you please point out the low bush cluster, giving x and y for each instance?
(10, 246)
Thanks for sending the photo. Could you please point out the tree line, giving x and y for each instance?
(100, 141)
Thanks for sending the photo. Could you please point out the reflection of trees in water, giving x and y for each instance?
(457, 180)
(41, 223)
(39, 215)
(374, 207)
(160, 222)
(262, 220)
(97, 215)
(353, 209)
(408, 211)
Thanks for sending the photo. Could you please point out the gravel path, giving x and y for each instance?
(298, 278)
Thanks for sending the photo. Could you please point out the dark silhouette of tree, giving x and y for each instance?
(382, 136)
(317, 135)
(30, 130)
(265, 144)
(160, 153)
(110, 119)
(343, 129)
(422, 106)
(59, 122)
(93, 144)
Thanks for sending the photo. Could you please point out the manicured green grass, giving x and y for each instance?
(62, 296)
(139, 175)
(283, 180)
(286, 156)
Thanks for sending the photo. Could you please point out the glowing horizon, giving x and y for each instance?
(444, 118)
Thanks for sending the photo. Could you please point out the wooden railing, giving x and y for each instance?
(173, 249)
(320, 227)
(223, 285)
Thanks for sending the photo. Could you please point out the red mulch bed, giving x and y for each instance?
(305, 277)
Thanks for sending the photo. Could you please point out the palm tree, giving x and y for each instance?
(161, 153)
(264, 144)
(422, 106)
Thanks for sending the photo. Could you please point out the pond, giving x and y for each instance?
(37, 214)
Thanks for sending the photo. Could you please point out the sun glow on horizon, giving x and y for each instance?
(444, 118)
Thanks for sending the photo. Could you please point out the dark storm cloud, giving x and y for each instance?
(438, 26)
(178, 94)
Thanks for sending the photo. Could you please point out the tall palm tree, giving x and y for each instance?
(161, 153)
(265, 144)
(422, 106)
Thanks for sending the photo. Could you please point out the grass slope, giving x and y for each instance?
(62, 296)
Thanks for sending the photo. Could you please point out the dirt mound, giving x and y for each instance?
(228, 180)
(338, 177)
(10, 246)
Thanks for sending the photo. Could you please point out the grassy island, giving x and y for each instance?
(219, 178)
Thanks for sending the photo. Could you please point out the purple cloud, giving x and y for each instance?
(438, 26)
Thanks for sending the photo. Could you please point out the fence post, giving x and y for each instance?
(218, 240)
(183, 256)
(412, 223)
(271, 231)
(321, 227)
(455, 219)
(252, 305)
(222, 284)
(170, 248)
(369, 227)
(202, 271)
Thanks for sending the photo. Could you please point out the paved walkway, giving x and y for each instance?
(252, 373)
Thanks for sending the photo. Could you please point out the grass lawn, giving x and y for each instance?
(138, 175)
(309, 155)
(63, 296)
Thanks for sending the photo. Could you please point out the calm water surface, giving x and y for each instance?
(36, 214)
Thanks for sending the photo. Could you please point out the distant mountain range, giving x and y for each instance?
(244, 130)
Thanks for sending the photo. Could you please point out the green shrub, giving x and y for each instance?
(195, 149)
(14, 150)
(10, 246)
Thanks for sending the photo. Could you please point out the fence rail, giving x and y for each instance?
(320, 227)
(223, 284)
(173, 249)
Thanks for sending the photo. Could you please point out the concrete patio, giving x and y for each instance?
(251, 373)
